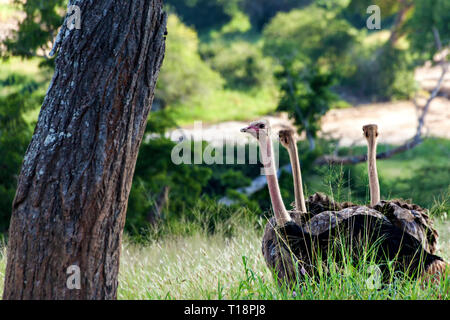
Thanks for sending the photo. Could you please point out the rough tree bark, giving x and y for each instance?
(73, 189)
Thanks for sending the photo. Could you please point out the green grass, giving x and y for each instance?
(227, 105)
(217, 267)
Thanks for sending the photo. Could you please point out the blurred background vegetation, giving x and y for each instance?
(238, 60)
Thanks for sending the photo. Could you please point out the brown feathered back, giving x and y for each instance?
(291, 253)
(278, 257)
(296, 248)
(411, 218)
(319, 202)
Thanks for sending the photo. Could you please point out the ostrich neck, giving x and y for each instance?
(268, 159)
(297, 175)
(373, 174)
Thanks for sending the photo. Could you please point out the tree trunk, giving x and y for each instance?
(70, 206)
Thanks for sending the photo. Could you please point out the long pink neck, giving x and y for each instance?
(374, 185)
(297, 175)
(268, 159)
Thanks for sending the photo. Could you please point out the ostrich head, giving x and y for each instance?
(261, 131)
(286, 136)
(258, 129)
(371, 132)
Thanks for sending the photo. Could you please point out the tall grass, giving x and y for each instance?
(204, 266)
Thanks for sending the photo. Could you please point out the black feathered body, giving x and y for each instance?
(410, 218)
(297, 248)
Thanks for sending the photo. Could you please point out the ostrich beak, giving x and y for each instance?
(247, 129)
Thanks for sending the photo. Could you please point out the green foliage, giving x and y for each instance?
(227, 105)
(184, 75)
(305, 96)
(436, 177)
(204, 14)
(20, 93)
(428, 15)
(262, 11)
(241, 63)
(15, 134)
(356, 12)
(381, 73)
(303, 35)
(38, 29)
(154, 171)
(297, 40)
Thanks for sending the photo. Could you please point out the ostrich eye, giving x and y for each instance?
(366, 134)
(376, 134)
(261, 126)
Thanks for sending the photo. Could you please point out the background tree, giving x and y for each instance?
(180, 85)
(262, 11)
(301, 35)
(38, 29)
(429, 15)
(306, 97)
(204, 14)
(296, 40)
(14, 138)
(73, 189)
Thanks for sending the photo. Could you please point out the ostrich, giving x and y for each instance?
(316, 203)
(277, 253)
(290, 247)
(409, 217)
(288, 141)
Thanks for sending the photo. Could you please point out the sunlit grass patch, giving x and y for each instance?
(195, 267)
(227, 105)
(216, 267)
(8, 11)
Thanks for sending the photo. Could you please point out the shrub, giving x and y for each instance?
(178, 84)
(381, 73)
(303, 35)
(241, 63)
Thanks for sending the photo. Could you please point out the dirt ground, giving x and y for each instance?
(397, 121)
